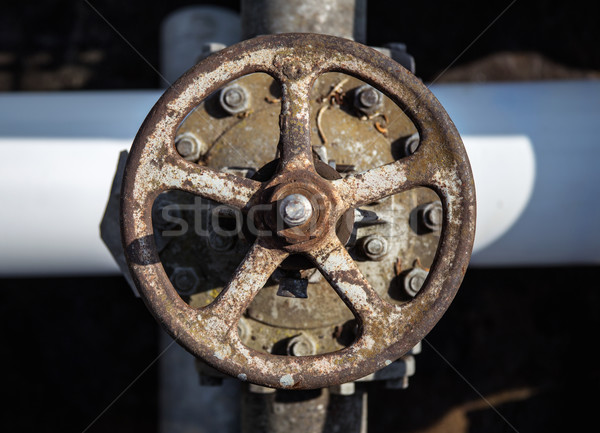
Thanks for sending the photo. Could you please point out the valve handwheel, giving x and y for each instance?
(312, 204)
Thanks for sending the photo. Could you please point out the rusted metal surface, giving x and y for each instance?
(353, 144)
(386, 331)
(313, 411)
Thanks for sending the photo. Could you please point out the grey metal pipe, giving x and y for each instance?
(313, 411)
(343, 18)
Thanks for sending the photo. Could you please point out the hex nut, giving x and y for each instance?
(165, 212)
(414, 280)
(411, 144)
(374, 247)
(301, 345)
(432, 216)
(185, 280)
(368, 99)
(399, 53)
(189, 146)
(234, 99)
(221, 243)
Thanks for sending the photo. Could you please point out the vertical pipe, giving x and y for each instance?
(304, 411)
(343, 18)
(314, 411)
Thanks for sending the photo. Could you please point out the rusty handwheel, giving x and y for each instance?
(310, 205)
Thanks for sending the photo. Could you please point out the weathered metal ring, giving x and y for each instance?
(386, 331)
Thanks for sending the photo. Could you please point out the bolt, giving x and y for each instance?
(367, 98)
(432, 216)
(221, 243)
(185, 280)
(234, 99)
(165, 213)
(295, 210)
(301, 345)
(411, 144)
(414, 280)
(186, 147)
(398, 53)
(189, 146)
(374, 247)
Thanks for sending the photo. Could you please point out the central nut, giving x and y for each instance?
(302, 209)
(295, 210)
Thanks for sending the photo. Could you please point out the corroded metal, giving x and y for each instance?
(386, 331)
(313, 411)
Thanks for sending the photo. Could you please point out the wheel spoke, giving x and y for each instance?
(423, 168)
(294, 122)
(372, 185)
(225, 188)
(249, 278)
(343, 274)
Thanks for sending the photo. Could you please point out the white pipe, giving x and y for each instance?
(58, 158)
(559, 224)
(502, 195)
(533, 148)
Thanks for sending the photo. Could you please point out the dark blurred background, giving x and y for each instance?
(64, 44)
(522, 337)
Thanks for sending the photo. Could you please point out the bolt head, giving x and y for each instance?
(433, 215)
(411, 145)
(221, 243)
(295, 209)
(414, 280)
(374, 247)
(186, 147)
(185, 280)
(301, 345)
(189, 146)
(165, 212)
(367, 98)
(234, 99)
